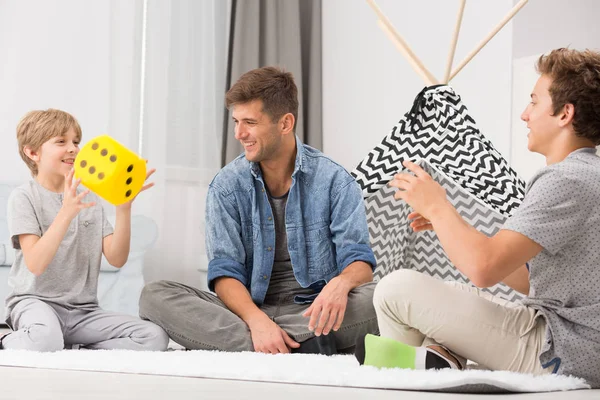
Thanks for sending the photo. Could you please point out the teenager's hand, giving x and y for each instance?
(145, 187)
(73, 202)
(420, 191)
(418, 223)
(268, 337)
(328, 309)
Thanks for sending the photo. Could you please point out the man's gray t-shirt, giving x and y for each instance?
(71, 278)
(561, 212)
(283, 283)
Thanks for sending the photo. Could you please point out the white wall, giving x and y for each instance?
(65, 54)
(543, 25)
(368, 85)
(523, 161)
(540, 27)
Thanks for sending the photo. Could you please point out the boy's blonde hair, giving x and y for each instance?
(39, 126)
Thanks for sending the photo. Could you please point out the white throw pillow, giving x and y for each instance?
(7, 254)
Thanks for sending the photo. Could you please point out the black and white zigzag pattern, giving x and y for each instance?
(440, 130)
(478, 181)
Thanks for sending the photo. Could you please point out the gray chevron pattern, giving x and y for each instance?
(396, 246)
(440, 135)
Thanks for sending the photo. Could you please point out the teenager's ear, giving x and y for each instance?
(33, 155)
(567, 114)
(286, 123)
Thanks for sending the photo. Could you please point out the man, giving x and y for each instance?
(286, 238)
(548, 250)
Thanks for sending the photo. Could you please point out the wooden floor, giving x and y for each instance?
(29, 383)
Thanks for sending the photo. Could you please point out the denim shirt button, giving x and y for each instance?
(265, 277)
(270, 218)
(269, 248)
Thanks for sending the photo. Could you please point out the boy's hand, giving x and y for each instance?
(72, 202)
(145, 187)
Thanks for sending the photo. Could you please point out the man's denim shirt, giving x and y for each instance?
(325, 223)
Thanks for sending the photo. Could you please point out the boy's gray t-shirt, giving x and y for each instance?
(71, 278)
(561, 212)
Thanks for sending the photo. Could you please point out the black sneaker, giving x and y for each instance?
(2, 337)
(324, 344)
(359, 350)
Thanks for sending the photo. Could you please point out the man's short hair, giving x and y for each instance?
(273, 86)
(39, 126)
(575, 80)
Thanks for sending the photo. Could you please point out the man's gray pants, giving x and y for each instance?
(200, 320)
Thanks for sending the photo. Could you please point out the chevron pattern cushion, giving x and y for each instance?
(439, 134)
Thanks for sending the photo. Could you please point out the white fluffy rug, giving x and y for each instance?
(291, 368)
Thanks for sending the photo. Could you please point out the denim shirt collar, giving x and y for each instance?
(298, 166)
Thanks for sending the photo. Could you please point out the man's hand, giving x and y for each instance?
(328, 309)
(72, 202)
(268, 337)
(420, 191)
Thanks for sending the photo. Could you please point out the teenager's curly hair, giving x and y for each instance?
(575, 80)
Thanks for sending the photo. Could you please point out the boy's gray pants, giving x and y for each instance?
(45, 326)
(200, 320)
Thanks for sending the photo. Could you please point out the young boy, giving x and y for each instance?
(60, 233)
(548, 249)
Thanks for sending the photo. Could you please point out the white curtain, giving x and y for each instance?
(283, 33)
(183, 97)
(150, 73)
(67, 54)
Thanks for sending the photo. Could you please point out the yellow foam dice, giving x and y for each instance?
(110, 170)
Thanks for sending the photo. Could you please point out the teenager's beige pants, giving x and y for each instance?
(420, 310)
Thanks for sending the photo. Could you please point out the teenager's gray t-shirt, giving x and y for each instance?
(561, 212)
(71, 278)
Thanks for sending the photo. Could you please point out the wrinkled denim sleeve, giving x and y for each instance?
(349, 226)
(224, 247)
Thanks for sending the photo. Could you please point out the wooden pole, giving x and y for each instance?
(504, 21)
(461, 9)
(385, 24)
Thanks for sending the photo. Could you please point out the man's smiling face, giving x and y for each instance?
(256, 131)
